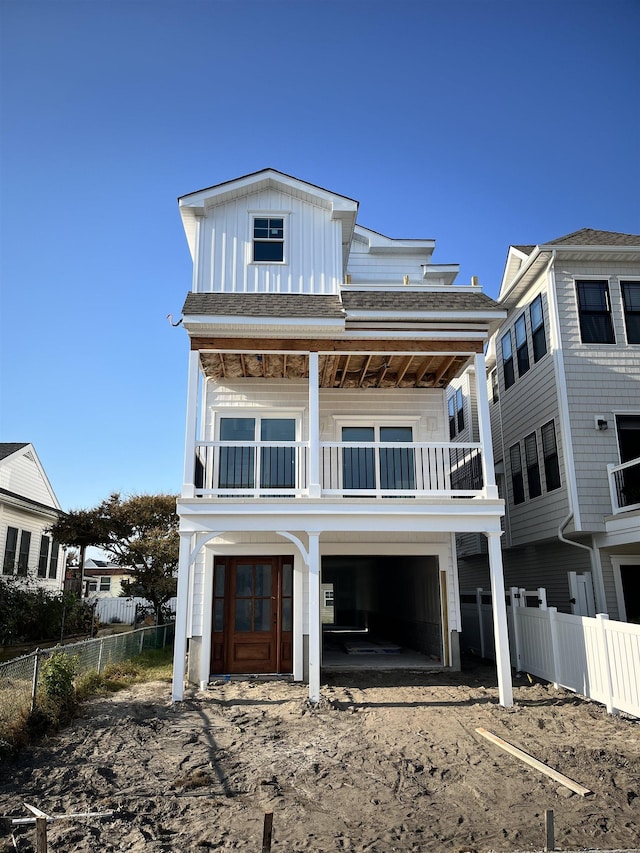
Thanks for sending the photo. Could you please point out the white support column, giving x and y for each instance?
(315, 488)
(314, 618)
(188, 484)
(182, 618)
(298, 617)
(207, 619)
(500, 628)
(484, 428)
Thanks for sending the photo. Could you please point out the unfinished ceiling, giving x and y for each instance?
(338, 371)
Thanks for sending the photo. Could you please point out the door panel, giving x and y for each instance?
(252, 615)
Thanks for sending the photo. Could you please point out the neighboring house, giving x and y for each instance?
(564, 386)
(320, 481)
(104, 580)
(28, 507)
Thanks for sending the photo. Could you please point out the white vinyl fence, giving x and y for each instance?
(596, 657)
(123, 610)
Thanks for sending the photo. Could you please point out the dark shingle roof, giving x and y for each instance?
(263, 305)
(449, 300)
(592, 237)
(526, 250)
(9, 447)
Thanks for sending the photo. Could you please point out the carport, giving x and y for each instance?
(381, 612)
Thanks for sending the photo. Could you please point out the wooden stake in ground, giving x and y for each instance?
(266, 832)
(41, 828)
(550, 841)
(533, 762)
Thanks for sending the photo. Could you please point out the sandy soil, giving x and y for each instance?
(386, 763)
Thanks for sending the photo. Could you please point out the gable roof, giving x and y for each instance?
(7, 448)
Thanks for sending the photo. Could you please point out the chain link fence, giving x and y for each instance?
(19, 677)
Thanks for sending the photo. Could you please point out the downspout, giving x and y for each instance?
(567, 447)
(594, 559)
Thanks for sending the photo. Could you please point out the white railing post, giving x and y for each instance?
(542, 598)
(484, 428)
(315, 488)
(555, 655)
(515, 604)
(188, 480)
(603, 647)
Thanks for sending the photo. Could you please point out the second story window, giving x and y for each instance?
(550, 454)
(594, 308)
(507, 361)
(533, 467)
(537, 329)
(517, 480)
(522, 347)
(631, 301)
(268, 240)
(456, 413)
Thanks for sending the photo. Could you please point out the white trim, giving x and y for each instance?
(269, 214)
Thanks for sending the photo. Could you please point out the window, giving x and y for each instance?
(10, 551)
(517, 480)
(550, 455)
(537, 329)
(522, 347)
(493, 378)
(105, 584)
(456, 413)
(533, 467)
(268, 240)
(44, 556)
(92, 585)
(631, 301)
(328, 597)
(594, 309)
(237, 463)
(507, 361)
(23, 556)
(53, 565)
(364, 467)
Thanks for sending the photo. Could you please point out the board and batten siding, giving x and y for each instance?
(312, 248)
(602, 380)
(525, 407)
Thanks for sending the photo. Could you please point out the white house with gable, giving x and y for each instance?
(564, 389)
(28, 507)
(322, 494)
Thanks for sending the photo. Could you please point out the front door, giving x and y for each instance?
(252, 615)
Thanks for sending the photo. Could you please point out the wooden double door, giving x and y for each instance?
(252, 625)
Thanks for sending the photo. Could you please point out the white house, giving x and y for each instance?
(103, 579)
(564, 388)
(28, 507)
(320, 483)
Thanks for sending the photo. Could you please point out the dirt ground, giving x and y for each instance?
(386, 763)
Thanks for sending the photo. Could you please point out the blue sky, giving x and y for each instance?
(473, 122)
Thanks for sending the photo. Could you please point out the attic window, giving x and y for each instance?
(268, 240)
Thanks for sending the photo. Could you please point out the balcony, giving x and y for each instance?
(624, 483)
(269, 469)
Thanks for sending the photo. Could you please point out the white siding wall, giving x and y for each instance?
(313, 252)
(22, 476)
(391, 269)
(36, 525)
(602, 379)
(525, 407)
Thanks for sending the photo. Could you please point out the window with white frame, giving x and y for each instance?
(594, 309)
(105, 584)
(631, 303)
(533, 466)
(538, 336)
(371, 467)
(268, 239)
(237, 460)
(507, 360)
(456, 413)
(522, 345)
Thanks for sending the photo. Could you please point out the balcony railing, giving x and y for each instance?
(624, 483)
(264, 469)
